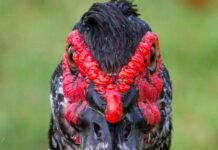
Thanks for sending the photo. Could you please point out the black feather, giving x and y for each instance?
(112, 32)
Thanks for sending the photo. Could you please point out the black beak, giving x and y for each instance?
(97, 134)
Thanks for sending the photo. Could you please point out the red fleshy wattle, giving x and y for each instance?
(71, 115)
(114, 110)
(150, 112)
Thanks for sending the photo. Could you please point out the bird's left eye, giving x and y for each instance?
(70, 52)
(153, 65)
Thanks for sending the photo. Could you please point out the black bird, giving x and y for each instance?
(111, 90)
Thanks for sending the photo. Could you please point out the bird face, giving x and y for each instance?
(112, 111)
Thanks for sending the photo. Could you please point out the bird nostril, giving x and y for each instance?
(127, 131)
(97, 130)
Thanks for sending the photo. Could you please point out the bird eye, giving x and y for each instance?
(70, 52)
(153, 65)
(70, 60)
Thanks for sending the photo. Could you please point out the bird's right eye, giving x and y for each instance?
(71, 62)
(70, 52)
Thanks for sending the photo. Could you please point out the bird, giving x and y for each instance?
(111, 90)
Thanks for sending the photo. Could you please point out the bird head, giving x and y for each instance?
(112, 77)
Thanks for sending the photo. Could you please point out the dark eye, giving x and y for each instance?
(153, 64)
(70, 60)
(70, 52)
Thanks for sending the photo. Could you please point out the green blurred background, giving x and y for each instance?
(32, 40)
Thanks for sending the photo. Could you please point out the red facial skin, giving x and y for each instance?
(132, 73)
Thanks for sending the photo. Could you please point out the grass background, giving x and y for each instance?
(32, 40)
